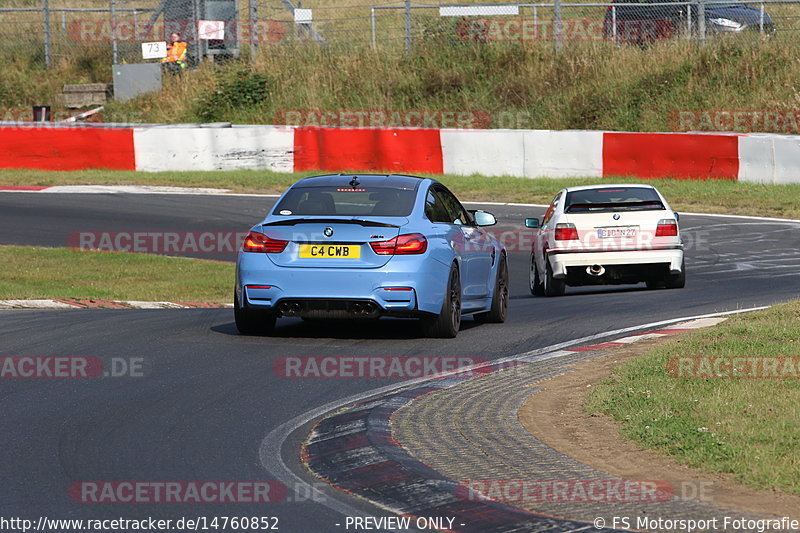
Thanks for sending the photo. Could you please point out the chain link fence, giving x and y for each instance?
(624, 22)
(48, 30)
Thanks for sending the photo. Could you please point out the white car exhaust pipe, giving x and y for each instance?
(595, 270)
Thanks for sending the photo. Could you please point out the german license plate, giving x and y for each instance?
(330, 251)
(617, 231)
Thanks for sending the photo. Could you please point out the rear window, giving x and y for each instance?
(347, 201)
(613, 199)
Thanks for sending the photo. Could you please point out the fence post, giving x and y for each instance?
(114, 46)
(614, 23)
(701, 20)
(408, 25)
(374, 31)
(689, 21)
(761, 20)
(557, 25)
(253, 18)
(196, 19)
(46, 14)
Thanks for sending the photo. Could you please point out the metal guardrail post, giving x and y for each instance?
(408, 25)
(47, 43)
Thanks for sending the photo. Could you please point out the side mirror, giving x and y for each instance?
(482, 218)
(677, 216)
(532, 223)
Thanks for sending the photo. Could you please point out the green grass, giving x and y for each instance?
(32, 273)
(746, 427)
(591, 85)
(713, 196)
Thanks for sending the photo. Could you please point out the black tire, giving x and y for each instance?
(253, 321)
(676, 281)
(537, 287)
(552, 286)
(445, 325)
(499, 311)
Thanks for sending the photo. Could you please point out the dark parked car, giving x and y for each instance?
(645, 21)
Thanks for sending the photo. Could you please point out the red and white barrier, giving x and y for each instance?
(759, 158)
(66, 149)
(194, 148)
(523, 153)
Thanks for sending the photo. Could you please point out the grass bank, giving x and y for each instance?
(714, 196)
(516, 85)
(592, 85)
(744, 426)
(31, 273)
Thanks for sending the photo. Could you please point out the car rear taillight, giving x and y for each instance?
(566, 232)
(667, 227)
(260, 243)
(409, 244)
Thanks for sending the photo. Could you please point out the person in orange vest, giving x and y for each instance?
(176, 54)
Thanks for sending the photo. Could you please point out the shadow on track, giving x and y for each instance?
(385, 328)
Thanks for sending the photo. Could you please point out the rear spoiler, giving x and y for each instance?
(365, 223)
(612, 205)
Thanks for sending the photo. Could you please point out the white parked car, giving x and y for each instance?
(606, 234)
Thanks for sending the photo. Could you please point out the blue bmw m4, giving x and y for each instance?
(367, 246)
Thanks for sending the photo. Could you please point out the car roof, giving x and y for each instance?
(607, 186)
(388, 181)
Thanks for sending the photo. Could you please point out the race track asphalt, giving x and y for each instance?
(209, 396)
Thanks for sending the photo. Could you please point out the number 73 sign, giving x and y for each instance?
(155, 50)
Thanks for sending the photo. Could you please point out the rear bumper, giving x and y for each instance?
(560, 261)
(339, 288)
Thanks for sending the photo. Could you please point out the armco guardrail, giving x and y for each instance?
(760, 158)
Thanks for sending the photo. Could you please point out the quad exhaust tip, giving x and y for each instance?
(363, 309)
(595, 270)
(357, 309)
(289, 308)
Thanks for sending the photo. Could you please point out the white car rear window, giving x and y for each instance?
(613, 199)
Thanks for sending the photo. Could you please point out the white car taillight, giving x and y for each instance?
(667, 227)
(566, 231)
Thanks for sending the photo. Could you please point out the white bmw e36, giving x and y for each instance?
(606, 234)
